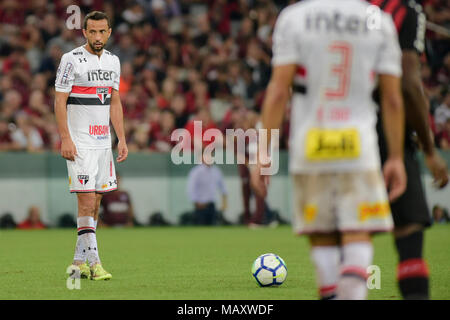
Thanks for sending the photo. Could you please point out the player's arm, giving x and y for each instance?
(117, 122)
(412, 42)
(65, 77)
(68, 149)
(273, 109)
(394, 128)
(388, 67)
(286, 39)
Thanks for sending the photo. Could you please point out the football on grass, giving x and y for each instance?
(269, 270)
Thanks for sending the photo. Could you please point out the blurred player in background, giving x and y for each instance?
(410, 211)
(331, 54)
(86, 98)
(116, 208)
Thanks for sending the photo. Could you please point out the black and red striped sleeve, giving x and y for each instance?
(412, 31)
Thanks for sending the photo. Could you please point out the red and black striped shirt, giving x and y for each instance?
(409, 20)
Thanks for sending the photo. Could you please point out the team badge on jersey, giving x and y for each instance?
(83, 178)
(102, 93)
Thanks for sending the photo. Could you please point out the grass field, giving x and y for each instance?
(189, 263)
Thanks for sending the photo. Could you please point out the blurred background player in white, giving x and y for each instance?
(86, 99)
(331, 53)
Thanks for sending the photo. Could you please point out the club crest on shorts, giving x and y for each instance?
(102, 93)
(83, 178)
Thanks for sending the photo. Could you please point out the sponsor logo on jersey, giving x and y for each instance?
(373, 210)
(99, 131)
(96, 75)
(65, 76)
(83, 178)
(310, 212)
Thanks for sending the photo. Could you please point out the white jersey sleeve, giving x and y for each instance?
(116, 84)
(65, 76)
(285, 50)
(388, 59)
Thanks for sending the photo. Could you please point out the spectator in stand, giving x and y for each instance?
(178, 106)
(11, 105)
(25, 135)
(198, 50)
(442, 113)
(162, 140)
(6, 141)
(33, 220)
(443, 138)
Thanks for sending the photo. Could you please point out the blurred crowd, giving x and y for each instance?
(181, 61)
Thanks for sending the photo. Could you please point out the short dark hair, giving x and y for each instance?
(95, 15)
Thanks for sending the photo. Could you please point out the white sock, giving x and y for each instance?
(80, 253)
(88, 239)
(326, 260)
(357, 256)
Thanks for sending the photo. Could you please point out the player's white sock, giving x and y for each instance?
(80, 253)
(88, 239)
(326, 260)
(357, 256)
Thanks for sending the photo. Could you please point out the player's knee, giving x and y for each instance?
(406, 230)
(331, 239)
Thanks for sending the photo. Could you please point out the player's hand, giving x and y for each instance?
(395, 177)
(68, 149)
(122, 150)
(438, 169)
(259, 182)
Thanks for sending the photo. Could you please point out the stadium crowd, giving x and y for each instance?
(181, 60)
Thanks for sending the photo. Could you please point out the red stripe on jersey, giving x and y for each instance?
(391, 6)
(301, 71)
(399, 17)
(376, 2)
(87, 90)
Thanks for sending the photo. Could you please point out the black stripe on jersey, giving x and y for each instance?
(88, 101)
(299, 88)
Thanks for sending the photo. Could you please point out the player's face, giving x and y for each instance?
(97, 34)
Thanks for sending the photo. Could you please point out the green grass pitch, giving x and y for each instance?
(196, 263)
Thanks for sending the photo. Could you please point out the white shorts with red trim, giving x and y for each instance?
(343, 202)
(92, 171)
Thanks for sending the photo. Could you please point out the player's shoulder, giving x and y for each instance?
(111, 55)
(76, 53)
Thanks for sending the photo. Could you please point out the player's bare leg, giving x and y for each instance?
(357, 255)
(98, 199)
(325, 254)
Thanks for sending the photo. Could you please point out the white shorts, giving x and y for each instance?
(343, 202)
(92, 171)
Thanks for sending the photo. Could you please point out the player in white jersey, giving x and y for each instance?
(331, 53)
(86, 100)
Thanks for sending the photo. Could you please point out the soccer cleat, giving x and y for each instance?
(80, 271)
(98, 273)
(85, 271)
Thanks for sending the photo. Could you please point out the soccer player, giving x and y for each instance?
(332, 53)
(410, 211)
(86, 98)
